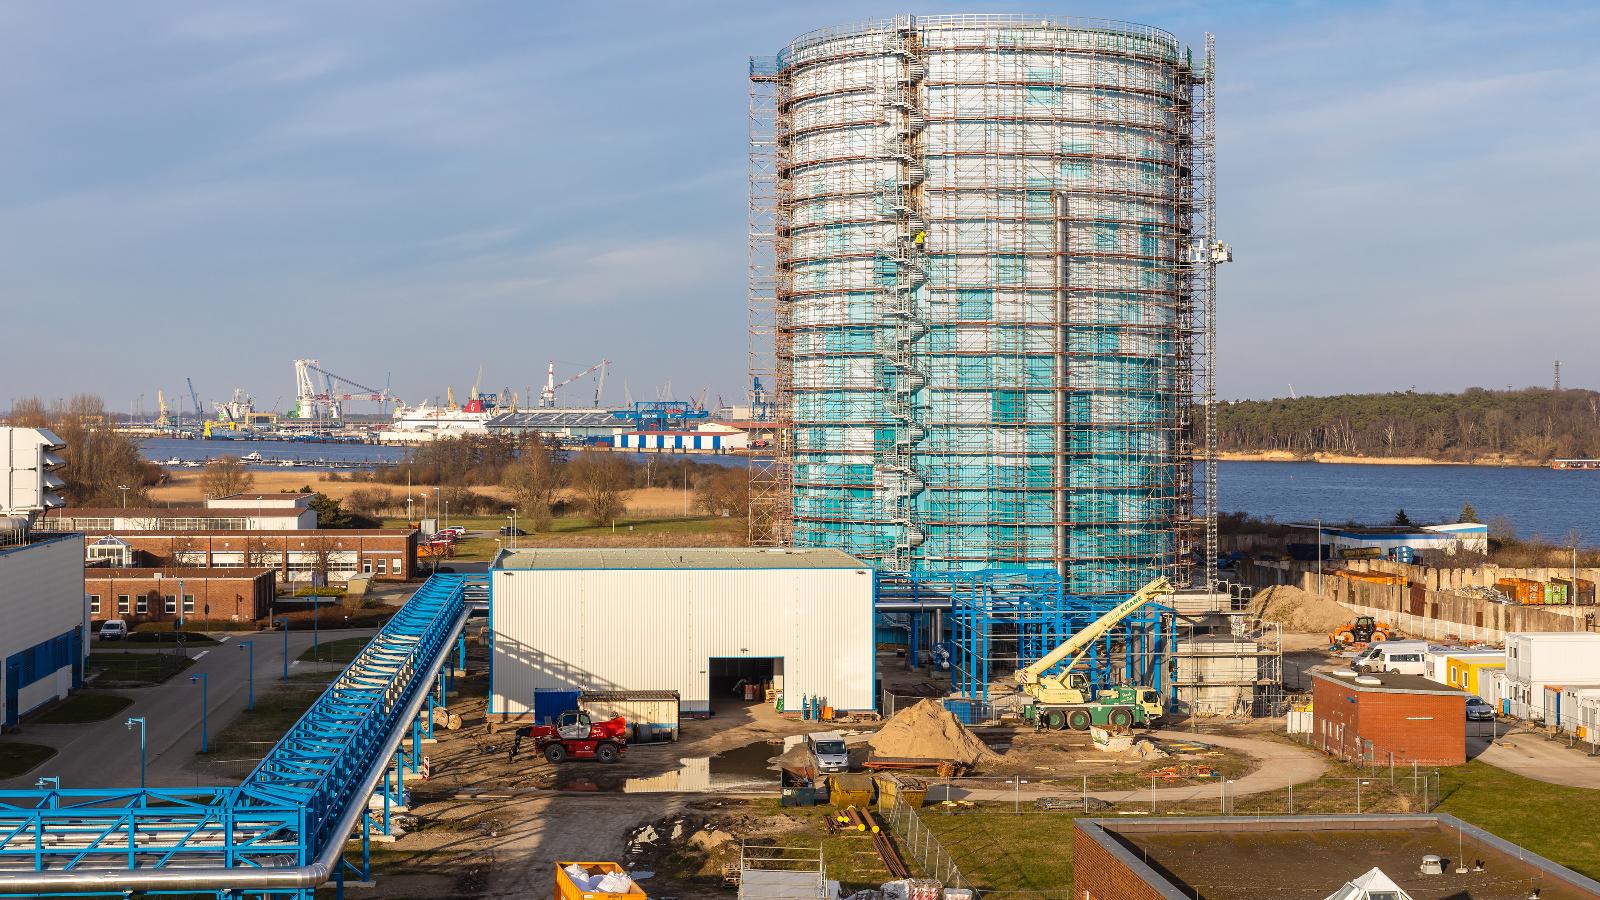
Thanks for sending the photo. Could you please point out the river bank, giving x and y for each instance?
(1497, 460)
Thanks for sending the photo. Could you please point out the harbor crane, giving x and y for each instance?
(1064, 699)
(547, 396)
(199, 412)
(312, 400)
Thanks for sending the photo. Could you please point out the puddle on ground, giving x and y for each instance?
(740, 768)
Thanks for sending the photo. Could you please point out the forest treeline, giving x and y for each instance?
(1532, 425)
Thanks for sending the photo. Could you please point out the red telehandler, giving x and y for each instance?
(575, 736)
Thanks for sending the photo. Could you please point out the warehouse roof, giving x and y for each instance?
(1311, 857)
(673, 558)
(1389, 683)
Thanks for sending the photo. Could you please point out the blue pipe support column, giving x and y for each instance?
(429, 719)
(911, 650)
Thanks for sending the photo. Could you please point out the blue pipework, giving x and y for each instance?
(285, 811)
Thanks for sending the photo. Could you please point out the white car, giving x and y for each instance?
(113, 630)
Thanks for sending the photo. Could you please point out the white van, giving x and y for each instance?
(1367, 657)
(1403, 660)
(828, 752)
(113, 630)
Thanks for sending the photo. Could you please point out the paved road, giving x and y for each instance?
(1278, 765)
(106, 754)
(1528, 754)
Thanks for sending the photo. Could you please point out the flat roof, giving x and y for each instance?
(1311, 857)
(166, 512)
(1389, 683)
(545, 559)
(296, 496)
(96, 573)
(253, 532)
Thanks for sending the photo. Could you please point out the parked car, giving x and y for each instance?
(828, 752)
(508, 531)
(1479, 710)
(113, 630)
(457, 530)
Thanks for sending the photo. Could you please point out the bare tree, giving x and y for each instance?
(532, 482)
(224, 476)
(100, 461)
(601, 482)
(725, 493)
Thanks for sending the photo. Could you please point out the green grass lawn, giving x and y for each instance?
(16, 757)
(87, 706)
(1553, 821)
(339, 651)
(136, 669)
(279, 704)
(482, 546)
(152, 639)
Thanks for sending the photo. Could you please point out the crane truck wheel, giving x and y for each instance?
(1079, 719)
(1380, 635)
(1055, 720)
(1121, 718)
(1346, 637)
(556, 754)
(606, 753)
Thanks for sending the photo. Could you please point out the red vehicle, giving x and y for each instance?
(575, 736)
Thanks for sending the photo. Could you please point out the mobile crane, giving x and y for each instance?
(1063, 700)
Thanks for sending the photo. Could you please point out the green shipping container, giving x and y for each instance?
(1555, 592)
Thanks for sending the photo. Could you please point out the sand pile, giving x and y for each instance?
(929, 731)
(1298, 610)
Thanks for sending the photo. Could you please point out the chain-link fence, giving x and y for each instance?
(918, 842)
(1182, 791)
(970, 712)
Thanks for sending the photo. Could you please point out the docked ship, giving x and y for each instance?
(426, 422)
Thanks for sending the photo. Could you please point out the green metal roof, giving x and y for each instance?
(673, 558)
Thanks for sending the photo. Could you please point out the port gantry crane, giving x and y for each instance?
(547, 396)
(310, 402)
(1064, 699)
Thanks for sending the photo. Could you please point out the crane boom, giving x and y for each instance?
(1076, 645)
(198, 412)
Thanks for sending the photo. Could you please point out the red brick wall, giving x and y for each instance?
(232, 597)
(267, 547)
(1098, 875)
(1430, 729)
(1425, 728)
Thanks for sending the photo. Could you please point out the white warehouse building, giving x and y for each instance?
(701, 622)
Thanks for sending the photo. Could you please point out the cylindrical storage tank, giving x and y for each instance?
(979, 230)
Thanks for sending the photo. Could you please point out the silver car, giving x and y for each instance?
(1478, 710)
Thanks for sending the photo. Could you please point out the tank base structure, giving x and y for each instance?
(1119, 707)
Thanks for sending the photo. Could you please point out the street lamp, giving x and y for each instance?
(285, 623)
(139, 720)
(124, 489)
(203, 691)
(250, 674)
(49, 781)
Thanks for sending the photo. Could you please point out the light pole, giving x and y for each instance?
(250, 674)
(49, 781)
(285, 623)
(438, 506)
(513, 532)
(447, 513)
(203, 691)
(124, 489)
(316, 611)
(1319, 557)
(139, 720)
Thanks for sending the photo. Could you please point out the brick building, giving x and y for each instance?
(387, 554)
(158, 595)
(1384, 717)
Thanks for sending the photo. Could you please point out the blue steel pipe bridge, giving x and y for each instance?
(999, 620)
(282, 830)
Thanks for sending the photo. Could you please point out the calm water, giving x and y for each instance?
(1539, 502)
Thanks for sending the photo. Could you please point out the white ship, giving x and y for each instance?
(425, 422)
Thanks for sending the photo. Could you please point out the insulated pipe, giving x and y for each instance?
(910, 605)
(222, 878)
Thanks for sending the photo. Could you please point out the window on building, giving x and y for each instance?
(366, 566)
(171, 602)
(383, 567)
(122, 603)
(143, 605)
(188, 604)
(94, 604)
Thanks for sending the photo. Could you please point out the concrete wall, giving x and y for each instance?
(1428, 613)
(656, 629)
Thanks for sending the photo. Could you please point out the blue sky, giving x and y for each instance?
(415, 190)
